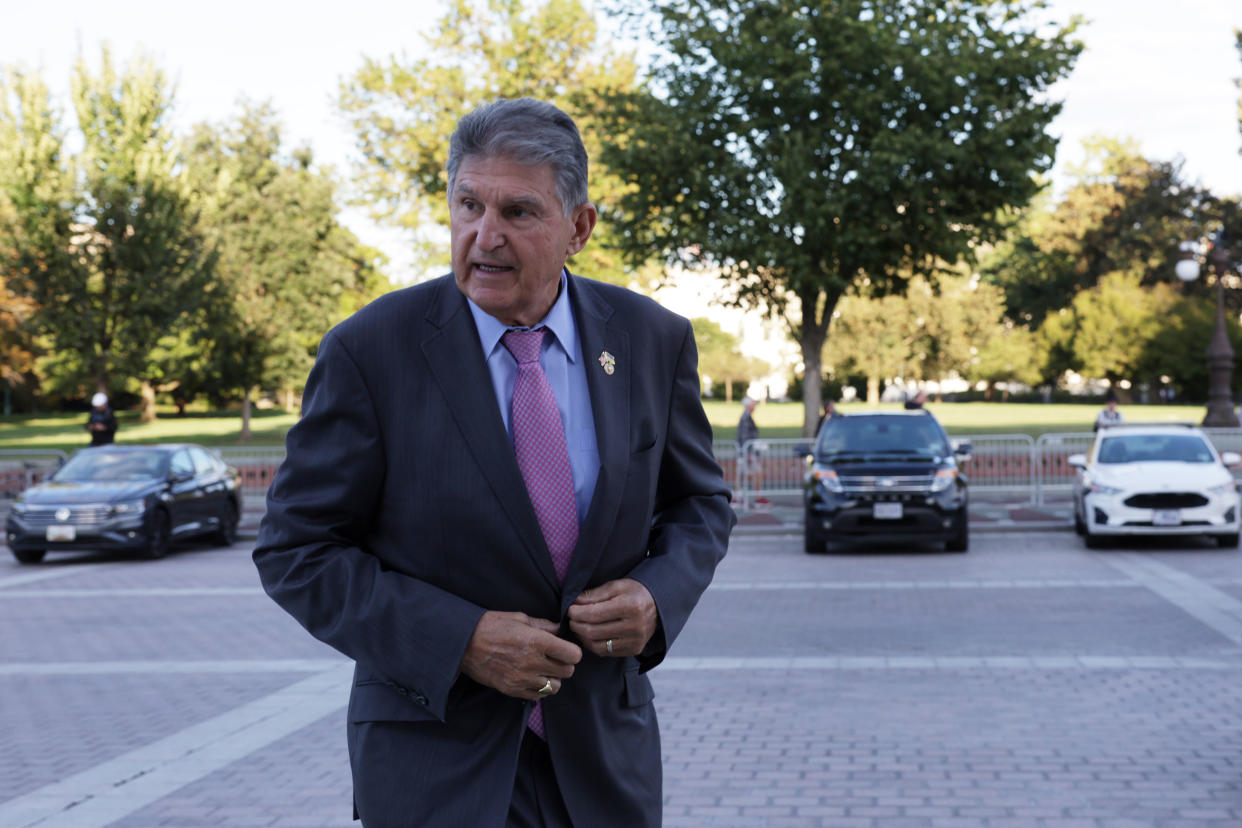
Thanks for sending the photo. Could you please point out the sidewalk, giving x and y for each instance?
(988, 513)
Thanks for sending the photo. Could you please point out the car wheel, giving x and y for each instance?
(29, 556)
(1080, 527)
(1227, 541)
(159, 539)
(1093, 541)
(815, 541)
(226, 534)
(959, 541)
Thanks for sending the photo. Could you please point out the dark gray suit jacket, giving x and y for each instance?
(399, 516)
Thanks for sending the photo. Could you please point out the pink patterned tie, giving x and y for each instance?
(543, 458)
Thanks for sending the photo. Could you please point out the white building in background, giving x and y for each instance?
(694, 294)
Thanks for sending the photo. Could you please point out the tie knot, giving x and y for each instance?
(524, 345)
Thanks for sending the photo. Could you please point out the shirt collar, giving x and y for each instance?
(559, 320)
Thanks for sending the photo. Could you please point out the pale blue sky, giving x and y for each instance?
(1156, 70)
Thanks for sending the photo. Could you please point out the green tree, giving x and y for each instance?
(800, 148)
(36, 214)
(872, 337)
(1010, 355)
(403, 111)
(1111, 326)
(286, 269)
(1122, 212)
(952, 317)
(107, 241)
(721, 358)
(1237, 33)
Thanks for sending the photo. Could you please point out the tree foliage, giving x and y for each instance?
(800, 148)
(107, 241)
(286, 269)
(721, 358)
(403, 111)
(934, 331)
(1123, 212)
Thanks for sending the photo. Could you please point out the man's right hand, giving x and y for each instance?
(518, 655)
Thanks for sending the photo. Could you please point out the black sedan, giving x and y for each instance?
(134, 499)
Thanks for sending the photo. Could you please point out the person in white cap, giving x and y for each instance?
(102, 422)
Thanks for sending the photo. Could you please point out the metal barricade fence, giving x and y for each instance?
(1054, 474)
(1009, 463)
(1002, 463)
(22, 468)
(771, 467)
(998, 463)
(256, 464)
(727, 455)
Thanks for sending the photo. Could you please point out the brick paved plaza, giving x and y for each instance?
(1026, 683)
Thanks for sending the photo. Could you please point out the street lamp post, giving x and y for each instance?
(1220, 413)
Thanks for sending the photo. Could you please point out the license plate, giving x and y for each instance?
(61, 533)
(886, 511)
(1166, 517)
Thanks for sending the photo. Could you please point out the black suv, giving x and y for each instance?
(886, 476)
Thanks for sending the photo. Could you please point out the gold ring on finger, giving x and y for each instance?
(546, 690)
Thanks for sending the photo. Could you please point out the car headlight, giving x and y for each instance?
(129, 507)
(19, 507)
(943, 479)
(828, 478)
(1096, 487)
(1224, 488)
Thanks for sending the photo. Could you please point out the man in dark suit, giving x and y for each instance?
(502, 611)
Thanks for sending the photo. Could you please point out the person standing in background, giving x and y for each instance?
(1109, 416)
(102, 422)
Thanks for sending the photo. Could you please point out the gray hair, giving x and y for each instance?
(528, 132)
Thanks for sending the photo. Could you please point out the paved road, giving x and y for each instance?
(1026, 683)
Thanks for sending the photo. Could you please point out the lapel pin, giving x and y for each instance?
(608, 361)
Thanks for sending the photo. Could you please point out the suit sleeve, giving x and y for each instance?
(692, 517)
(312, 553)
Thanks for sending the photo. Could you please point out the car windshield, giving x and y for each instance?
(101, 465)
(1147, 448)
(895, 434)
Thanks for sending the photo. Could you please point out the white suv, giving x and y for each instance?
(1155, 480)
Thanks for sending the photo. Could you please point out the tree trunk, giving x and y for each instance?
(148, 402)
(244, 437)
(816, 306)
(728, 390)
(873, 390)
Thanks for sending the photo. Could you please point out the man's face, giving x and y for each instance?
(511, 237)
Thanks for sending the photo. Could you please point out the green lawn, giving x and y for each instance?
(785, 419)
(65, 432)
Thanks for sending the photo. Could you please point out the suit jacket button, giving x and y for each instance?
(421, 699)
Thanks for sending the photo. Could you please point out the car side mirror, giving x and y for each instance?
(1231, 459)
(181, 476)
(963, 449)
(1078, 461)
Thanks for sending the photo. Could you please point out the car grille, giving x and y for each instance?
(78, 515)
(1166, 500)
(887, 487)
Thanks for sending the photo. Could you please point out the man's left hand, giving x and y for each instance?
(622, 612)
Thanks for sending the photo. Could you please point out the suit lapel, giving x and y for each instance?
(610, 406)
(455, 359)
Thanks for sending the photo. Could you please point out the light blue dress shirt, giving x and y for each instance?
(561, 358)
